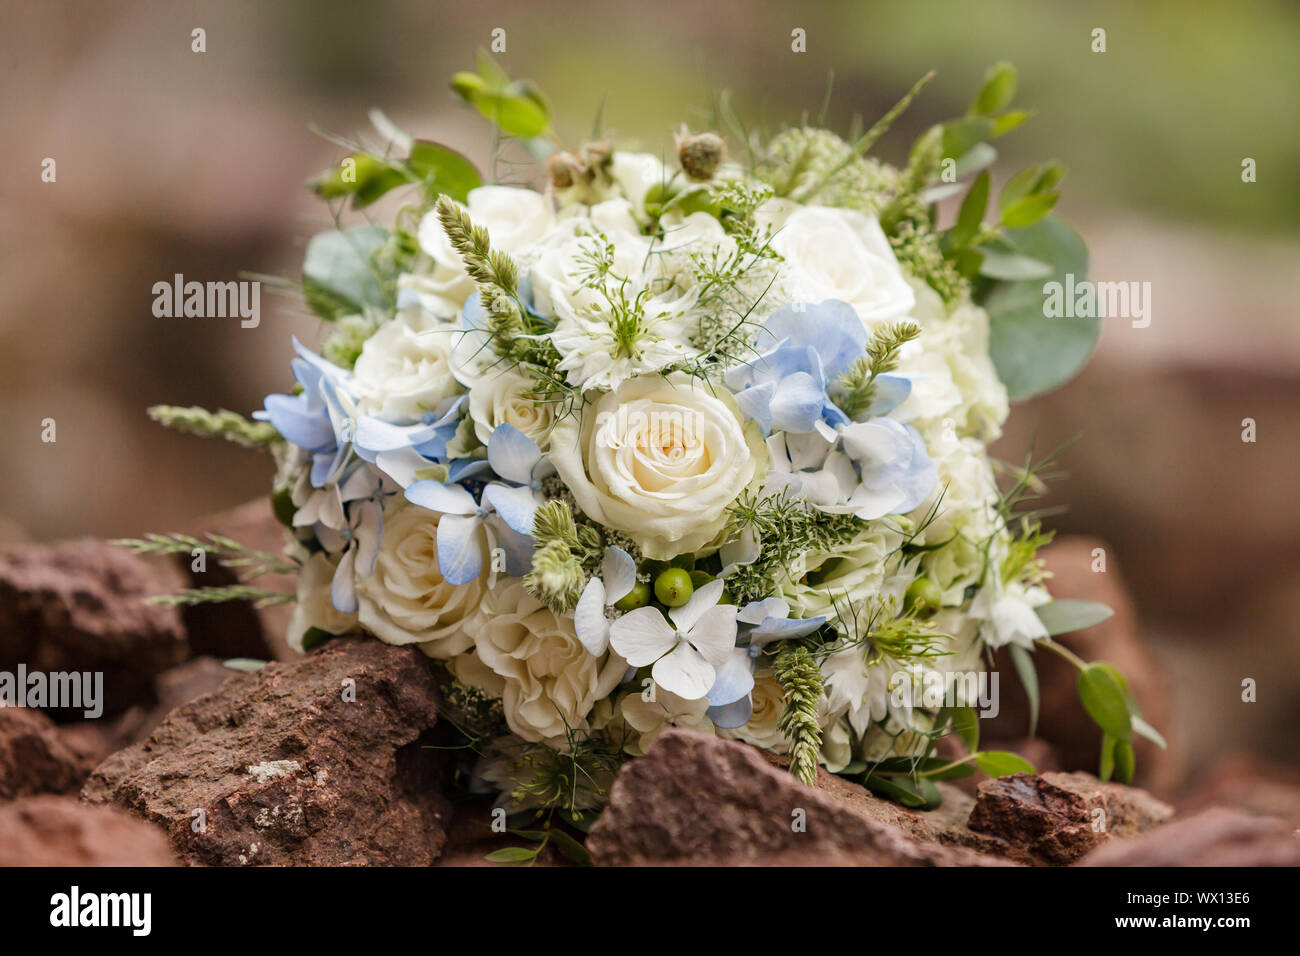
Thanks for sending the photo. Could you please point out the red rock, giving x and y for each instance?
(59, 831)
(34, 758)
(285, 770)
(1248, 783)
(1062, 720)
(1056, 818)
(1215, 837)
(79, 606)
(700, 800)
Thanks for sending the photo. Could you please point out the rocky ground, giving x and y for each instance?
(333, 758)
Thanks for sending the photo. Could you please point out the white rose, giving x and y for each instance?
(314, 607)
(660, 459)
(505, 397)
(547, 680)
(848, 575)
(404, 369)
(559, 271)
(406, 601)
(514, 218)
(843, 254)
(635, 174)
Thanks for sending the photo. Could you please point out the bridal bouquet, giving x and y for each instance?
(694, 440)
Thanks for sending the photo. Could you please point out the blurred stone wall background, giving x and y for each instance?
(172, 161)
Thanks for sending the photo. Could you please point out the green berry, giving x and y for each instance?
(639, 596)
(924, 595)
(673, 587)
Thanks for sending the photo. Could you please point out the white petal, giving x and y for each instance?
(642, 636)
(714, 636)
(589, 621)
(703, 599)
(759, 611)
(618, 571)
(684, 673)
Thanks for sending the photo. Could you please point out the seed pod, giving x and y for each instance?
(701, 154)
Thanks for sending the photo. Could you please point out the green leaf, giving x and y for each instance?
(963, 135)
(1105, 702)
(980, 156)
(314, 637)
(363, 176)
(1106, 764)
(518, 108)
(1019, 187)
(1033, 352)
(1008, 121)
(244, 664)
(1065, 615)
(1124, 761)
(898, 789)
(1002, 763)
(1023, 661)
(571, 848)
(997, 92)
(1029, 210)
(337, 277)
(971, 216)
(1144, 729)
(443, 170)
(512, 854)
(966, 724)
(1011, 266)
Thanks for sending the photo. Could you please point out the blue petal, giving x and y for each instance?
(447, 499)
(797, 404)
(734, 679)
(375, 435)
(780, 628)
(460, 549)
(461, 468)
(343, 587)
(513, 454)
(733, 715)
(306, 429)
(890, 392)
(519, 548)
(756, 403)
(832, 328)
(516, 506)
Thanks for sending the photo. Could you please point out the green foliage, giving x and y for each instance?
(222, 423)
(1065, 615)
(1034, 352)
(796, 670)
(248, 563)
(516, 108)
(339, 273)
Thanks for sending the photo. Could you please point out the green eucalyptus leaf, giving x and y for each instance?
(1065, 615)
(1105, 701)
(980, 156)
(1023, 661)
(1011, 266)
(998, 90)
(247, 664)
(1019, 187)
(443, 170)
(899, 789)
(337, 277)
(1002, 763)
(1035, 353)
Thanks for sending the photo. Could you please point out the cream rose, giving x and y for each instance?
(514, 218)
(406, 601)
(404, 369)
(504, 398)
(843, 254)
(547, 681)
(660, 458)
